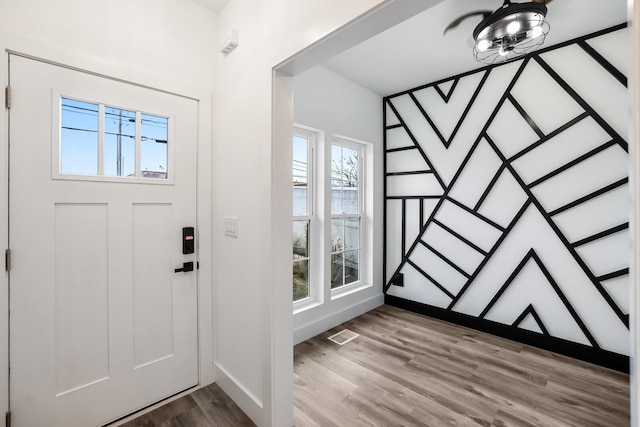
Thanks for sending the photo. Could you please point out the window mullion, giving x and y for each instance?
(138, 150)
(100, 139)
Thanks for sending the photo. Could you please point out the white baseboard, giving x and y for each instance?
(318, 326)
(249, 404)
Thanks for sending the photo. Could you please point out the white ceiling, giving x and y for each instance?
(415, 52)
(214, 5)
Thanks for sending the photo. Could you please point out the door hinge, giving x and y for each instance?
(7, 97)
(7, 419)
(7, 260)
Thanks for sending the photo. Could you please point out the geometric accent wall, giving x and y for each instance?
(507, 200)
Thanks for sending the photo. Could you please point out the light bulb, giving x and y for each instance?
(483, 45)
(503, 52)
(535, 32)
(513, 27)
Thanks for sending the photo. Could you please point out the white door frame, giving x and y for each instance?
(58, 55)
(634, 176)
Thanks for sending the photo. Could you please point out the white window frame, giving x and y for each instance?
(320, 217)
(56, 123)
(315, 295)
(363, 263)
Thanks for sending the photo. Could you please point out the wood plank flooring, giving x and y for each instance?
(208, 406)
(410, 370)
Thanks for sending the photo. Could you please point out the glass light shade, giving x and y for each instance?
(536, 32)
(513, 27)
(483, 45)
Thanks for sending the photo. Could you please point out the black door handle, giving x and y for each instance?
(186, 266)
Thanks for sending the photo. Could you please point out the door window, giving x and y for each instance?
(102, 142)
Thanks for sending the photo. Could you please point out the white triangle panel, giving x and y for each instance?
(529, 323)
(447, 115)
(531, 286)
(391, 117)
(445, 87)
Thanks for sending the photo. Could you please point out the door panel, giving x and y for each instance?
(100, 324)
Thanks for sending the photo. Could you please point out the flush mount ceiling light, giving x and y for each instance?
(508, 32)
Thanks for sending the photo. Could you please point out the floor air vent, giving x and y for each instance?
(343, 337)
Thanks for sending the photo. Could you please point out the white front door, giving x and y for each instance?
(102, 182)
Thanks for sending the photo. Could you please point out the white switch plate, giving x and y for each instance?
(231, 226)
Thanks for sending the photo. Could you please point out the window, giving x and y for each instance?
(346, 213)
(99, 140)
(329, 218)
(302, 214)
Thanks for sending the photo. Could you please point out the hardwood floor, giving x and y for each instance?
(208, 406)
(410, 370)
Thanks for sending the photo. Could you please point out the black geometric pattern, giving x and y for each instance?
(506, 195)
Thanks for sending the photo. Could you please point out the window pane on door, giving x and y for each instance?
(154, 140)
(78, 137)
(119, 142)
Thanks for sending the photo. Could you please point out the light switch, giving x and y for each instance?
(231, 226)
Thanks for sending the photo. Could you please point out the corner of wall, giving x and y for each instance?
(249, 403)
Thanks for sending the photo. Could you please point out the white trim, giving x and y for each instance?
(242, 396)
(94, 73)
(350, 288)
(313, 216)
(634, 220)
(365, 260)
(318, 326)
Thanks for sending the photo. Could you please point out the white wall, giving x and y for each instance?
(252, 164)
(253, 315)
(169, 45)
(328, 102)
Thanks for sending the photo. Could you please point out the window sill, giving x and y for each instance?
(343, 291)
(304, 306)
